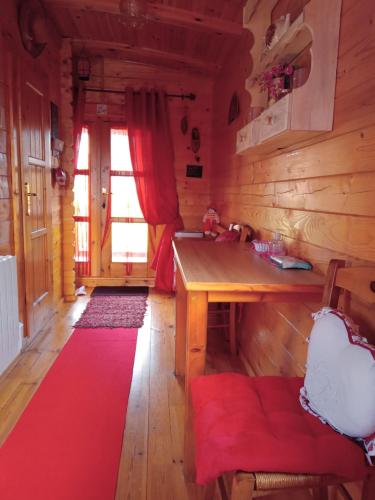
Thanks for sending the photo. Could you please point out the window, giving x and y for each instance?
(82, 208)
(129, 229)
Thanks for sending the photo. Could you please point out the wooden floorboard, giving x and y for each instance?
(151, 466)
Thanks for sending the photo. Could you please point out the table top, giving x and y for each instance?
(234, 267)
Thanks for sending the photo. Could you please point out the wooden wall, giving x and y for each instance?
(117, 74)
(320, 196)
(13, 61)
(6, 240)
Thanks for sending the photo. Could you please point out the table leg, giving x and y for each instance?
(180, 340)
(196, 343)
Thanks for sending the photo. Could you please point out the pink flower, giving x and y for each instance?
(276, 80)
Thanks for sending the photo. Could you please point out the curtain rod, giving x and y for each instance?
(191, 96)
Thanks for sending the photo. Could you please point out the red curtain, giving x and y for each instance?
(78, 119)
(152, 156)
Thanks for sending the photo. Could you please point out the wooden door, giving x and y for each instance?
(35, 138)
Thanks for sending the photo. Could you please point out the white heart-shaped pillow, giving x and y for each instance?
(340, 376)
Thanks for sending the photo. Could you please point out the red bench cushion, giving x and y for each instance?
(257, 424)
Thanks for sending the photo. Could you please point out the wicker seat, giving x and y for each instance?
(226, 398)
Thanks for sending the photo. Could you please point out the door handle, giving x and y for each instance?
(29, 195)
(105, 196)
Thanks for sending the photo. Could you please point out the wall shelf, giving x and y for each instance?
(307, 110)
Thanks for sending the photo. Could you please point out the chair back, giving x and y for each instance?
(357, 280)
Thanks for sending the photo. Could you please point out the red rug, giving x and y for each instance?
(124, 311)
(67, 443)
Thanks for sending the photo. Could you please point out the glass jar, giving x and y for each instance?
(277, 246)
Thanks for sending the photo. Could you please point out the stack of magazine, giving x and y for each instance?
(289, 262)
(188, 234)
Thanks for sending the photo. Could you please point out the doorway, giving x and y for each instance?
(113, 241)
(35, 178)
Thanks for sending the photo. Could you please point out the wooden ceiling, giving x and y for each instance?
(192, 35)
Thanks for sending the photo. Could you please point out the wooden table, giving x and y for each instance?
(223, 272)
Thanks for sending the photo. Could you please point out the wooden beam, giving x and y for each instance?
(193, 20)
(157, 13)
(171, 59)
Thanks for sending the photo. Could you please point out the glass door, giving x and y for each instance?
(113, 241)
(124, 230)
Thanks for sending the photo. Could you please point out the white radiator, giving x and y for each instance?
(10, 331)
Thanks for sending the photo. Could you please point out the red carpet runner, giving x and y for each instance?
(67, 443)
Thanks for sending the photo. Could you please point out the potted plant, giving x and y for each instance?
(277, 81)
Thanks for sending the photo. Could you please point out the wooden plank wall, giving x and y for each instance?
(319, 196)
(12, 59)
(117, 74)
(6, 240)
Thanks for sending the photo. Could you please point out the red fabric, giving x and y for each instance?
(228, 236)
(67, 443)
(257, 424)
(152, 156)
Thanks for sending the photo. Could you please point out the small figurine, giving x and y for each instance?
(210, 220)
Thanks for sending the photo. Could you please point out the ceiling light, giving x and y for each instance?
(133, 13)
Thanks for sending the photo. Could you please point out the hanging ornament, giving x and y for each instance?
(83, 66)
(184, 125)
(195, 140)
(133, 13)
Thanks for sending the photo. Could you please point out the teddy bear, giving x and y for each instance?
(210, 220)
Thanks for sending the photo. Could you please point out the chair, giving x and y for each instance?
(224, 403)
(227, 312)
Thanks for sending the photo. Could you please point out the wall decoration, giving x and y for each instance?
(101, 109)
(277, 81)
(32, 25)
(184, 125)
(195, 140)
(275, 31)
(234, 108)
(194, 171)
(54, 121)
(83, 66)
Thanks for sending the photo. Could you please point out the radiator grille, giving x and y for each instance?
(10, 337)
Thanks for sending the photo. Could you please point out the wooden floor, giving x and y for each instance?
(151, 462)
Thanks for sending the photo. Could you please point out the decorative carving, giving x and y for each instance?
(184, 124)
(32, 26)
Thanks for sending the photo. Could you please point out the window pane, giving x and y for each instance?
(82, 242)
(81, 195)
(129, 242)
(120, 153)
(124, 198)
(83, 155)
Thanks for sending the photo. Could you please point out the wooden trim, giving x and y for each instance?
(158, 13)
(243, 485)
(331, 292)
(196, 343)
(126, 280)
(180, 340)
(300, 296)
(359, 281)
(68, 236)
(15, 171)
